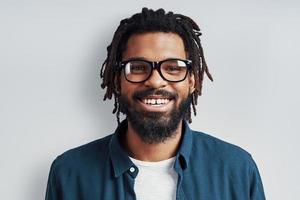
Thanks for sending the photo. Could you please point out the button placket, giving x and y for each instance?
(132, 169)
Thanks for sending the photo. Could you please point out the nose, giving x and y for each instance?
(155, 80)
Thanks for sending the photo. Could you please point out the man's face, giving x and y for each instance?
(155, 123)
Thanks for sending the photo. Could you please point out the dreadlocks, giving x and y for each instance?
(154, 21)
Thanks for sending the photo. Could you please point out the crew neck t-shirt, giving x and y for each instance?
(155, 180)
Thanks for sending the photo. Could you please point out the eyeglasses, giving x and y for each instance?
(139, 70)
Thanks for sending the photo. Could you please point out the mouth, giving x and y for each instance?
(156, 104)
(156, 101)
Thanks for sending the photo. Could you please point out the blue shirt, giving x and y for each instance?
(208, 169)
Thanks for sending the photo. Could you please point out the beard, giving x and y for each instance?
(154, 127)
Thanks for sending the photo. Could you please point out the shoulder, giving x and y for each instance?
(224, 165)
(87, 155)
(215, 150)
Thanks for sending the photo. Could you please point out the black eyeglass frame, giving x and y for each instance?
(156, 65)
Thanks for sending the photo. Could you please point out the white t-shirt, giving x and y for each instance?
(155, 180)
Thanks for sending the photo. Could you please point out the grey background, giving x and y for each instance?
(51, 101)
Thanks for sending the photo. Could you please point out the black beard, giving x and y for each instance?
(154, 127)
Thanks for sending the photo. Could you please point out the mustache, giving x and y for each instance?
(152, 91)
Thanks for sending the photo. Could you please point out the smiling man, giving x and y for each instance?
(154, 70)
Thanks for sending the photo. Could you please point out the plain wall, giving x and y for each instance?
(51, 99)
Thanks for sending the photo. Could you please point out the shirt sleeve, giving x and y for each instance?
(52, 192)
(256, 186)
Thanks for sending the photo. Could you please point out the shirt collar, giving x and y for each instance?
(119, 157)
(183, 155)
(122, 163)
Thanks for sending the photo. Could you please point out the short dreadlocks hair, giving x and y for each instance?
(153, 21)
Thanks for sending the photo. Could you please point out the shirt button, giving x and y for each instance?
(132, 169)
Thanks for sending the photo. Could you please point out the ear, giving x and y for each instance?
(191, 78)
(117, 84)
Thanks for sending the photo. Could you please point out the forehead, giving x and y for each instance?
(154, 46)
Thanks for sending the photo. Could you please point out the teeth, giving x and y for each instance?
(156, 101)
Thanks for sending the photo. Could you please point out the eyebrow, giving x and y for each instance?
(135, 58)
(143, 58)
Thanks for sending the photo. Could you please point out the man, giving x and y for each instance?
(154, 70)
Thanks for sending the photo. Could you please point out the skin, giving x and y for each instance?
(155, 46)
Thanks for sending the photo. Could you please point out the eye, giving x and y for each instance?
(172, 69)
(136, 67)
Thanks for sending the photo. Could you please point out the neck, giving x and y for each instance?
(152, 152)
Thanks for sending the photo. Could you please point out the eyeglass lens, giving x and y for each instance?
(171, 70)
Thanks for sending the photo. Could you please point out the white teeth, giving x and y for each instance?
(156, 101)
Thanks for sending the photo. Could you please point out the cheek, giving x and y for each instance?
(183, 89)
(126, 87)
